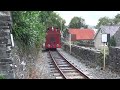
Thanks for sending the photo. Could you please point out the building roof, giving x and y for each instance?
(83, 34)
(108, 30)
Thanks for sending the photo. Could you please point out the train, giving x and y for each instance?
(53, 38)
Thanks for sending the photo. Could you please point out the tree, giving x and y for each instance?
(77, 22)
(44, 15)
(29, 26)
(112, 41)
(104, 21)
(57, 21)
(86, 26)
(65, 32)
(117, 19)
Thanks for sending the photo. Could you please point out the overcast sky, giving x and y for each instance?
(91, 17)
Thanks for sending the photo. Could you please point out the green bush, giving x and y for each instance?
(112, 41)
(29, 26)
(2, 77)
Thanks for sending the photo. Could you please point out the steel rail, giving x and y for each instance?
(57, 65)
(86, 77)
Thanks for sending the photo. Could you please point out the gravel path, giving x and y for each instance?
(42, 67)
(93, 73)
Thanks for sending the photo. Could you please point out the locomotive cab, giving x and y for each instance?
(53, 38)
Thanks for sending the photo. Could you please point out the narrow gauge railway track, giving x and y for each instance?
(62, 68)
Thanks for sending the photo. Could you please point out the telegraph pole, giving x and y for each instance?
(104, 57)
(104, 40)
(70, 43)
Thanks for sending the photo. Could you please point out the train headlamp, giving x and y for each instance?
(57, 45)
(48, 45)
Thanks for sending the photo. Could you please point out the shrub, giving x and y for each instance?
(112, 41)
(2, 77)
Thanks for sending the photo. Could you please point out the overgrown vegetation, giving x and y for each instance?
(2, 77)
(29, 27)
(112, 41)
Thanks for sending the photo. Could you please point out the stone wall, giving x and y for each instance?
(117, 37)
(23, 64)
(91, 56)
(14, 62)
(114, 59)
(5, 45)
(95, 58)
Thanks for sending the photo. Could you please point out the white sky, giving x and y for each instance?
(91, 17)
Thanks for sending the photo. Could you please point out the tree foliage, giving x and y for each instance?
(77, 22)
(104, 21)
(112, 41)
(49, 18)
(29, 26)
(65, 32)
(108, 21)
(26, 27)
(2, 77)
(117, 19)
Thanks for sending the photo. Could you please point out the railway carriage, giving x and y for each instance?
(53, 38)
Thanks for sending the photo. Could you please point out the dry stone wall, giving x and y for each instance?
(114, 59)
(93, 57)
(5, 45)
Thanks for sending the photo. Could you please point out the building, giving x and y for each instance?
(112, 30)
(84, 37)
(82, 34)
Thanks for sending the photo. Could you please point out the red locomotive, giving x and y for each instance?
(53, 38)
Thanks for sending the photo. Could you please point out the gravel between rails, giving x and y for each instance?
(92, 73)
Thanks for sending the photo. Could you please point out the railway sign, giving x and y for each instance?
(104, 38)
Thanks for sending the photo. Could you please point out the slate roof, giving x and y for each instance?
(109, 29)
